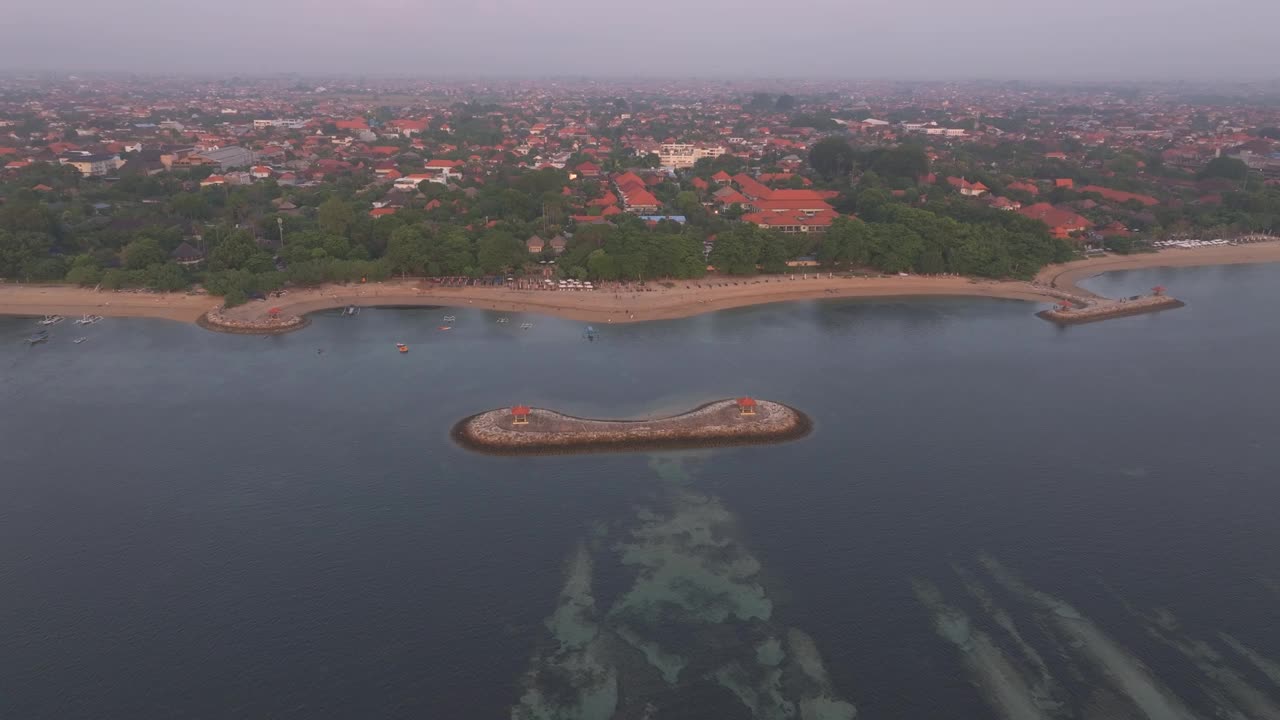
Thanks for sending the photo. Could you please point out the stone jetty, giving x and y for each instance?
(216, 320)
(1068, 313)
(537, 431)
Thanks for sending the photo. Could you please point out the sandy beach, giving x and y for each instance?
(615, 305)
(1066, 276)
(39, 300)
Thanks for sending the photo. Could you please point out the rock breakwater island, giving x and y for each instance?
(537, 431)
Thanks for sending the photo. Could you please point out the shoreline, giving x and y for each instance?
(1068, 276)
(684, 298)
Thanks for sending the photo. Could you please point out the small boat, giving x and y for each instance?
(79, 340)
(503, 321)
(51, 320)
(449, 318)
(526, 326)
(351, 310)
(39, 337)
(402, 347)
(590, 333)
(89, 319)
(445, 327)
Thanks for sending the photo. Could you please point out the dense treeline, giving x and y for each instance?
(56, 226)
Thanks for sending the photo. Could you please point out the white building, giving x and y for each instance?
(92, 165)
(684, 155)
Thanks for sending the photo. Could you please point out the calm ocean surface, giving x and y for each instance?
(992, 513)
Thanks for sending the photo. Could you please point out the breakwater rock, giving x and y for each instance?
(1110, 309)
(715, 424)
(215, 320)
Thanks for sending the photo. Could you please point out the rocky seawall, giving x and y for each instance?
(215, 320)
(715, 424)
(1109, 310)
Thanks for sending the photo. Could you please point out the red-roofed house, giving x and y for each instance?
(443, 171)
(1119, 196)
(408, 127)
(967, 188)
(791, 221)
(751, 187)
(605, 200)
(1061, 222)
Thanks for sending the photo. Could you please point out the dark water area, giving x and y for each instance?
(204, 525)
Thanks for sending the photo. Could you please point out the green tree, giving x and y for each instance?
(166, 277)
(1224, 167)
(832, 157)
(737, 251)
(21, 249)
(497, 251)
(239, 252)
(85, 270)
(407, 251)
(336, 217)
(142, 253)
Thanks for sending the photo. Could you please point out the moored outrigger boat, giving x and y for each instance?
(89, 319)
(42, 336)
(50, 320)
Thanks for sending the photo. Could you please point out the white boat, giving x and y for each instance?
(89, 319)
(526, 326)
(448, 318)
(51, 320)
(503, 320)
(79, 340)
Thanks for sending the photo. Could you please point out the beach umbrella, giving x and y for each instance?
(274, 311)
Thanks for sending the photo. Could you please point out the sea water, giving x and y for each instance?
(992, 514)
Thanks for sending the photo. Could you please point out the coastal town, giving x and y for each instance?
(230, 191)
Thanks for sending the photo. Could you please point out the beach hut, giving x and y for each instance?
(520, 415)
(746, 406)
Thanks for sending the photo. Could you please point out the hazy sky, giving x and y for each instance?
(1050, 39)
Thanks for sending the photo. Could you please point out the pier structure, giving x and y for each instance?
(1075, 310)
